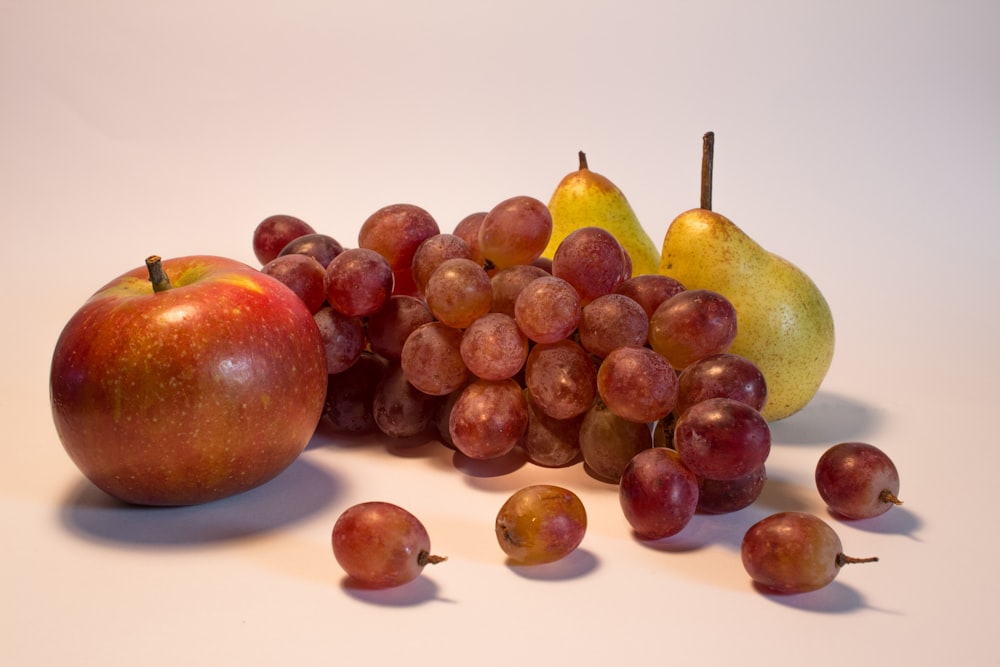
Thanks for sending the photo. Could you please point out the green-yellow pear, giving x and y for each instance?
(584, 198)
(784, 324)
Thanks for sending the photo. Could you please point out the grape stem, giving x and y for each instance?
(843, 560)
(888, 496)
(707, 163)
(424, 558)
(157, 276)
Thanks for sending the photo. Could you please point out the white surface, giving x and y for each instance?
(860, 140)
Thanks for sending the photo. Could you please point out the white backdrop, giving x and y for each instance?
(860, 140)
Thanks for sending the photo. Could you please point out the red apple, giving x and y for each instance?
(187, 381)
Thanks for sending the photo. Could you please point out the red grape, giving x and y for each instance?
(515, 231)
(541, 523)
(351, 392)
(692, 325)
(358, 282)
(302, 274)
(391, 325)
(658, 493)
(793, 552)
(637, 384)
(722, 438)
(275, 232)
(432, 361)
(493, 347)
(381, 545)
(401, 410)
(432, 252)
(857, 480)
(548, 441)
(321, 247)
(611, 321)
(561, 377)
(591, 260)
(508, 283)
(343, 338)
(547, 309)
(608, 442)
(396, 231)
(649, 290)
(488, 418)
(459, 292)
(723, 375)
(722, 496)
(467, 229)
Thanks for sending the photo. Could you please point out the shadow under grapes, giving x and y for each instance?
(575, 565)
(419, 591)
(834, 598)
(300, 491)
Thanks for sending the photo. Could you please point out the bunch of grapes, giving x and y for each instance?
(470, 336)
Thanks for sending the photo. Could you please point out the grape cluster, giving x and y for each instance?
(472, 337)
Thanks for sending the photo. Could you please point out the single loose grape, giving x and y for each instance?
(381, 545)
(793, 552)
(857, 480)
(541, 523)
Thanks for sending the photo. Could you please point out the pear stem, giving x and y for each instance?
(157, 275)
(583, 161)
(707, 161)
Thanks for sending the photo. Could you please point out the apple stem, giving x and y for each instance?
(707, 160)
(583, 161)
(157, 275)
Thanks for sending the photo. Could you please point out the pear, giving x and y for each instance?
(584, 198)
(784, 324)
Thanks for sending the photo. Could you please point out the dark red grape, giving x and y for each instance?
(649, 290)
(392, 324)
(562, 378)
(721, 376)
(608, 442)
(547, 309)
(637, 384)
(591, 260)
(432, 252)
(343, 338)
(692, 325)
(857, 480)
(658, 493)
(488, 418)
(321, 247)
(611, 321)
(722, 438)
(515, 231)
(468, 230)
(432, 359)
(358, 282)
(350, 394)
(459, 292)
(793, 552)
(381, 545)
(396, 231)
(275, 232)
(302, 274)
(722, 496)
(401, 410)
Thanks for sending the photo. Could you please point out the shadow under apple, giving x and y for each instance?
(298, 492)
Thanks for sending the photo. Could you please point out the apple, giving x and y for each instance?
(187, 380)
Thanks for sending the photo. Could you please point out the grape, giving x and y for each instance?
(649, 290)
(401, 410)
(793, 552)
(391, 325)
(493, 347)
(515, 231)
(857, 480)
(608, 442)
(432, 252)
(343, 338)
(396, 231)
(459, 292)
(275, 232)
(562, 378)
(548, 309)
(508, 283)
(591, 260)
(663, 431)
(358, 282)
(432, 361)
(381, 545)
(722, 438)
(691, 325)
(722, 496)
(637, 384)
(611, 321)
(721, 376)
(321, 247)
(351, 392)
(488, 418)
(658, 493)
(468, 230)
(302, 274)
(548, 441)
(541, 523)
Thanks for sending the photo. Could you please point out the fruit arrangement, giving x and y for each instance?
(556, 329)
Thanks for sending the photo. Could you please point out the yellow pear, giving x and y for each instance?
(784, 324)
(586, 199)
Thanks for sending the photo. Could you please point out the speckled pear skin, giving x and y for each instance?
(584, 198)
(784, 324)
